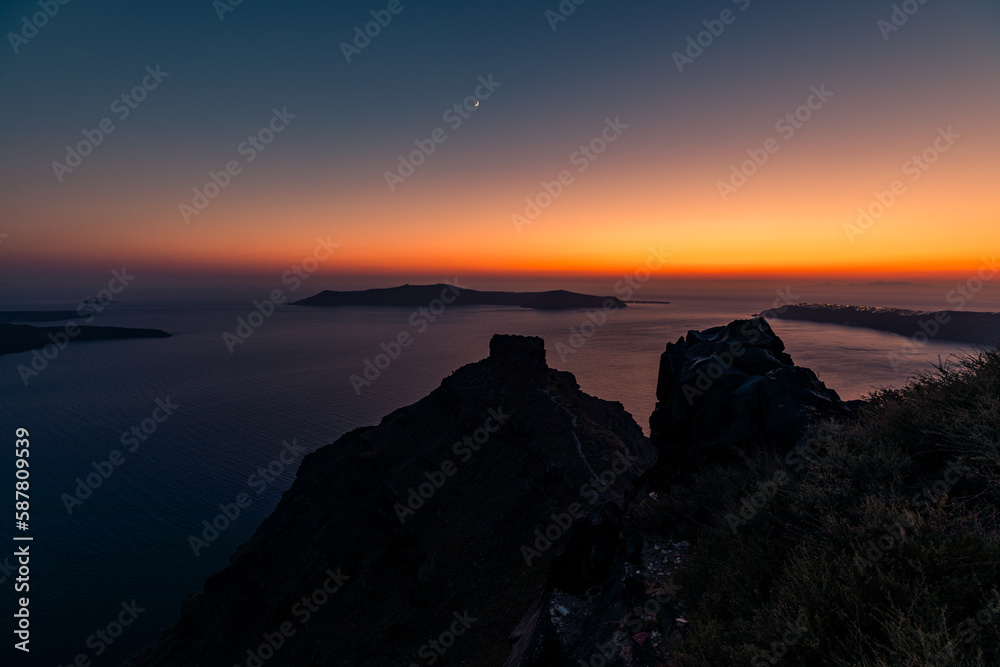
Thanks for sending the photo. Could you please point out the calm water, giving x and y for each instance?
(128, 540)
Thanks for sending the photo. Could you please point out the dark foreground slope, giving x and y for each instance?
(874, 542)
(422, 295)
(455, 557)
(966, 326)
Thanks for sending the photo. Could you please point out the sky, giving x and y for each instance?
(600, 133)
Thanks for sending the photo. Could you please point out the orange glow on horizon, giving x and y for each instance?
(793, 218)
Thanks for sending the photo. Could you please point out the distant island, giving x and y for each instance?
(23, 337)
(421, 295)
(965, 326)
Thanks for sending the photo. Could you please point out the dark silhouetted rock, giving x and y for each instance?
(462, 546)
(589, 553)
(524, 353)
(733, 387)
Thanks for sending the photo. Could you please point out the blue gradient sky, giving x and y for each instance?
(658, 185)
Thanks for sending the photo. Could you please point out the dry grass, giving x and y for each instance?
(918, 477)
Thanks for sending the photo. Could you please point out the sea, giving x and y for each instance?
(120, 484)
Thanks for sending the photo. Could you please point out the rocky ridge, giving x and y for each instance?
(498, 521)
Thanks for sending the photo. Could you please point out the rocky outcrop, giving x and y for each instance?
(611, 597)
(733, 387)
(437, 534)
(505, 519)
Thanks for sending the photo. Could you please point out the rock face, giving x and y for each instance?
(498, 521)
(733, 387)
(437, 529)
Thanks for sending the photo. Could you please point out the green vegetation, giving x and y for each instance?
(876, 544)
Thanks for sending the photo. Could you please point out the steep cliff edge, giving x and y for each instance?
(422, 540)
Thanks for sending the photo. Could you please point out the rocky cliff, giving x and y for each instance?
(507, 518)
(429, 538)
